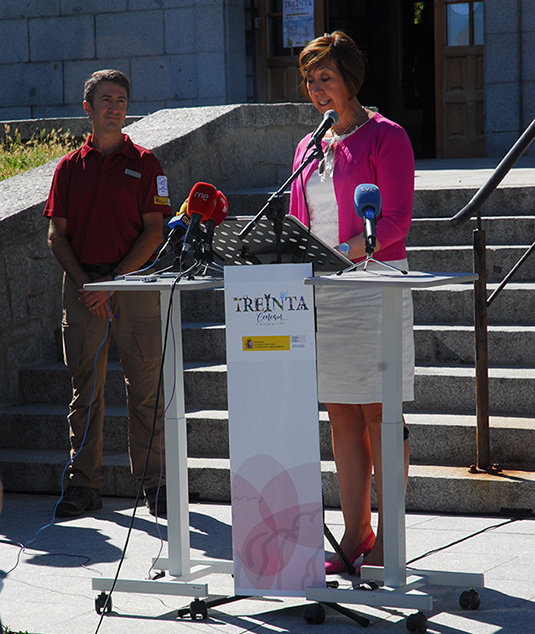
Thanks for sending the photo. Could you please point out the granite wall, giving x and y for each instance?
(176, 53)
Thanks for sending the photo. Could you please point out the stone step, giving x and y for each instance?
(499, 230)
(429, 489)
(445, 389)
(438, 202)
(203, 306)
(436, 439)
(50, 383)
(454, 304)
(429, 202)
(451, 389)
(438, 344)
(435, 344)
(453, 435)
(203, 342)
(459, 259)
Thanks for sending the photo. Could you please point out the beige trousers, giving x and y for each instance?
(136, 329)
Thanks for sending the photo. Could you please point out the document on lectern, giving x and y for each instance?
(277, 515)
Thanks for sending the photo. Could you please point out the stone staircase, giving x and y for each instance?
(34, 437)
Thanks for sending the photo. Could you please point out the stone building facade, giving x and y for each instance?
(177, 53)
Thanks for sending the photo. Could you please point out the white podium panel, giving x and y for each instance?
(277, 514)
(400, 582)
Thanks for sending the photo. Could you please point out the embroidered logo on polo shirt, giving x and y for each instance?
(132, 173)
(160, 200)
(161, 186)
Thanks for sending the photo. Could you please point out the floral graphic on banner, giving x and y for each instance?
(278, 542)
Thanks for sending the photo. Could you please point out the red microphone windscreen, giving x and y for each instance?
(201, 200)
(221, 209)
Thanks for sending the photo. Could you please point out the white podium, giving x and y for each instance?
(400, 581)
(181, 567)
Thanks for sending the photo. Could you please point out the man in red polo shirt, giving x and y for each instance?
(106, 208)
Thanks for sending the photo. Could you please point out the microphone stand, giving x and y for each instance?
(274, 208)
(370, 247)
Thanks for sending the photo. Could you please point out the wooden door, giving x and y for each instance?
(277, 65)
(460, 78)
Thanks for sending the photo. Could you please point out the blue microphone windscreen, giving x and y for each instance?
(367, 197)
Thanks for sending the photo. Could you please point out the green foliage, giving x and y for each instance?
(17, 156)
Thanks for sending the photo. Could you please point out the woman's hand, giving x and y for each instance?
(357, 247)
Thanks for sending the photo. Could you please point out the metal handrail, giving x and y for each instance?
(481, 196)
(481, 302)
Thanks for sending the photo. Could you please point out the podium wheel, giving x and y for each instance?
(198, 609)
(100, 603)
(417, 623)
(470, 600)
(314, 614)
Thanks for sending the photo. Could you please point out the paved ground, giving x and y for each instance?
(468, 173)
(50, 590)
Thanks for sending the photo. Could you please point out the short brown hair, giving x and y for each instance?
(99, 76)
(337, 47)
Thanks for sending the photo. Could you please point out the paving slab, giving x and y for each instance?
(470, 172)
(47, 587)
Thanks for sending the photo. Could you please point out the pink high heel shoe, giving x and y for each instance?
(334, 567)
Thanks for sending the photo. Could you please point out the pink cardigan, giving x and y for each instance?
(380, 153)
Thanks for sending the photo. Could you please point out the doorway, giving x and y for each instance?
(387, 32)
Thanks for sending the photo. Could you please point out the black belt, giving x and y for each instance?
(101, 269)
(106, 269)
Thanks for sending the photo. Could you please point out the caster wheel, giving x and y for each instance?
(332, 584)
(470, 600)
(100, 603)
(198, 609)
(314, 614)
(417, 623)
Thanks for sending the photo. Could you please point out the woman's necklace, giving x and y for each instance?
(338, 136)
(326, 165)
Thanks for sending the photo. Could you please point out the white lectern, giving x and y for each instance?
(399, 580)
(181, 568)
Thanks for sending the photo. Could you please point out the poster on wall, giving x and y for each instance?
(276, 496)
(297, 22)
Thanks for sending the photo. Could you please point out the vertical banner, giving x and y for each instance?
(277, 511)
(297, 22)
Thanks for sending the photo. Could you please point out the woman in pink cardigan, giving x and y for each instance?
(363, 147)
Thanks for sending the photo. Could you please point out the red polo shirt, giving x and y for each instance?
(105, 198)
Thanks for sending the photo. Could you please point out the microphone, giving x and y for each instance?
(367, 201)
(220, 213)
(178, 225)
(201, 203)
(330, 118)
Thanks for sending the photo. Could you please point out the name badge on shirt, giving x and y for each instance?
(132, 173)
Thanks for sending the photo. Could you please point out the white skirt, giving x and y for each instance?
(349, 343)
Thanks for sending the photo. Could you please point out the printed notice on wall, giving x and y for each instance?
(297, 22)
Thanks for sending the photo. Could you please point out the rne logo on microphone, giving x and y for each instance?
(201, 195)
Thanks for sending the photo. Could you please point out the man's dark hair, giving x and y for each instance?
(109, 74)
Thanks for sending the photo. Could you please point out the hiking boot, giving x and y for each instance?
(77, 500)
(150, 501)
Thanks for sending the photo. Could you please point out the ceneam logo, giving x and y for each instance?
(270, 308)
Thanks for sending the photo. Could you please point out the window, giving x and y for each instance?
(464, 22)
